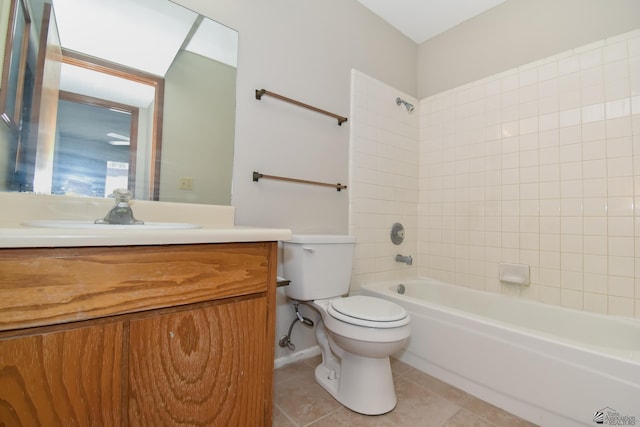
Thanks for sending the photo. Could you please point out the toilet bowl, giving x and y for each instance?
(356, 334)
(361, 379)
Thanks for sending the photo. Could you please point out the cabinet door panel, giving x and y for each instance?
(200, 367)
(68, 378)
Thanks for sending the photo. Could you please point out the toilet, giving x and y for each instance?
(357, 334)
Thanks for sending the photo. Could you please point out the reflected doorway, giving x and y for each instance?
(96, 146)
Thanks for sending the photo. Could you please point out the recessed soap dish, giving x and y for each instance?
(516, 274)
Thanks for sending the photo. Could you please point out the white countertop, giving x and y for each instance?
(217, 223)
(25, 237)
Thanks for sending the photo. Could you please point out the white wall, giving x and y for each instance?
(518, 32)
(539, 165)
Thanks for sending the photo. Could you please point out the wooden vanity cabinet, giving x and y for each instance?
(139, 336)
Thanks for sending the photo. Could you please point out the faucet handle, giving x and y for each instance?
(122, 195)
(121, 213)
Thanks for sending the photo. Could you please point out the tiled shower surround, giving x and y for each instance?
(383, 182)
(538, 165)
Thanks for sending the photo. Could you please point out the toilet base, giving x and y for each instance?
(364, 385)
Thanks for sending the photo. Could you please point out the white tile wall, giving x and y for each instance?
(383, 183)
(537, 165)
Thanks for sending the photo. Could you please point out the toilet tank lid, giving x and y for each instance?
(321, 238)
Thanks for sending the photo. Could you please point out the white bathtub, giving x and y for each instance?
(550, 365)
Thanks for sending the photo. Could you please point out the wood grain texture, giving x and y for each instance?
(70, 378)
(170, 335)
(44, 286)
(204, 367)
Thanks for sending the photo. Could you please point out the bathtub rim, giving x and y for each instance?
(629, 356)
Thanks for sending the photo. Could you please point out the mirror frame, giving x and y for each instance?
(117, 70)
(18, 11)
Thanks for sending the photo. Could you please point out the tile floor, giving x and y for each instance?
(422, 401)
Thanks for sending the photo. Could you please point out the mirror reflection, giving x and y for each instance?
(122, 94)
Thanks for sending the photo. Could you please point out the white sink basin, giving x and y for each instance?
(90, 225)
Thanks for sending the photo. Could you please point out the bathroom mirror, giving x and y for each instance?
(145, 100)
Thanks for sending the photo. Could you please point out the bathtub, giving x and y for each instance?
(549, 365)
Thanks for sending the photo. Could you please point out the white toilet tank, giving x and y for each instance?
(318, 265)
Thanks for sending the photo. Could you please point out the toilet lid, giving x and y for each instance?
(368, 311)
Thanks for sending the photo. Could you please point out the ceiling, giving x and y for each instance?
(422, 19)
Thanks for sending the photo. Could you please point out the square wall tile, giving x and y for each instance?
(554, 176)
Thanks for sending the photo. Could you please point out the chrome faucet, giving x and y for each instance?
(406, 259)
(121, 213)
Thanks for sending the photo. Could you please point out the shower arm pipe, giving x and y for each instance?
(257, 176)
(261, 92)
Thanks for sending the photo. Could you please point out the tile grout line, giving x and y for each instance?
(287, 416)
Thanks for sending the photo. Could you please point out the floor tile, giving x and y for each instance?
(280, 419)
(494, 415)
(303, 400)
(297, 370)
(299, 401)
(419, 406)
(464, 418)
(440, 387)
(346, 418)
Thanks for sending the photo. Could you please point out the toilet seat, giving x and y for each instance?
(368, 311)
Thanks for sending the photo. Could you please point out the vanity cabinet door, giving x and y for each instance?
(204, 366)
(64, 378)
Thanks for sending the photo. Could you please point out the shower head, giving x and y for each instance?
(408, 106)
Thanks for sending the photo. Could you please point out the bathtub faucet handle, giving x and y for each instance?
(406, 259)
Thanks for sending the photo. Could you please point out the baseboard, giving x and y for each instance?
(297, 356)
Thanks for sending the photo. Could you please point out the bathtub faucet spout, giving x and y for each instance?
(406, 259)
